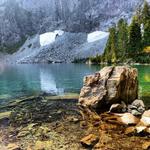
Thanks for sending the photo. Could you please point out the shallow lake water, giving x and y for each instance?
(31, 79)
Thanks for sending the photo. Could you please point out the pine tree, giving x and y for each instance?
(146, 36)
(122, 38)
(139, 14)
(146, 23)
(106, 55)
(145, 13)
(111, 47)
(135, 37)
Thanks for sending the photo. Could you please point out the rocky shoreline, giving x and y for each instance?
(100, 119)
(42, 122)
(111, 95)
(64, 125)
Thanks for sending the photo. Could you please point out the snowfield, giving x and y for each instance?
(97, 35)
(49, 37)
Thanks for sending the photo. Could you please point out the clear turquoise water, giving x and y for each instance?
(18, 80)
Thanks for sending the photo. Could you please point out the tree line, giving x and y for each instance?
(129, 42)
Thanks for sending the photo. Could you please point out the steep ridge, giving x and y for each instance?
(21, 18)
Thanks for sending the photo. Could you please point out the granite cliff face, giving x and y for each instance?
(21, 18)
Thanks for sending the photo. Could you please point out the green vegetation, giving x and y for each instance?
(128, 42)
(96, 60)
(146, 36)
(83, 60)
(135, 37)
(12, 47)
(142, 58)
(145, 15)
(110, 51)
(122, 38)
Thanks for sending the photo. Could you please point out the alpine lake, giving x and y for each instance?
(55, 79)
(38, 106)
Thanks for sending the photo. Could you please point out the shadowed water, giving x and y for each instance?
(19, 80)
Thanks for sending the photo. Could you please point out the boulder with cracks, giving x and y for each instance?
(109, 86)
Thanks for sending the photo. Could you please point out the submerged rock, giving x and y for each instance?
(5, 115)
(39, 110)
(40, 145)
(13, 146)
(89, 140)
(109, 86)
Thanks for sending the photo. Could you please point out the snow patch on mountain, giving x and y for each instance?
(96, 35)
(50, 37)
(67, 47)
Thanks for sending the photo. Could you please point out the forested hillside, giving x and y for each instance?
(129, 43)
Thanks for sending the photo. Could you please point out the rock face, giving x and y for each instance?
(20, 18)
(109, 86)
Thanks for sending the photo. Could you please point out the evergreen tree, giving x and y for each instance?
(122, 38)
(146, 23)
(106, 55)
(146, 36)
(145, 13)
(111, 47)
(135, 37)
(139, 14)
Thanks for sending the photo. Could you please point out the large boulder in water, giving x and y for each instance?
(110, 86)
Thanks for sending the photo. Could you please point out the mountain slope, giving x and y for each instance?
(21, 18)
(66, 48)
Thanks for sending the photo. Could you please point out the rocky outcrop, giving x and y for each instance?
(127, 123)
(117, 131)
(109, 86)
